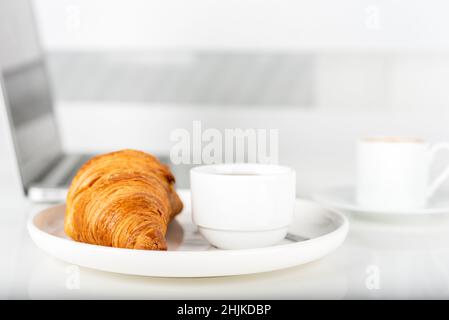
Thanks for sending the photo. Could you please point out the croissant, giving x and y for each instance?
(123, 199)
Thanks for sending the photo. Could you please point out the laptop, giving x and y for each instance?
(45, 169)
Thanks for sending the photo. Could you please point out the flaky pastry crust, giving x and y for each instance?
(123, 199)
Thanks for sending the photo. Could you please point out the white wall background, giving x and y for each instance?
(244, 24)
(370, 54)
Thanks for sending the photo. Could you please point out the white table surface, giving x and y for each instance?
(389, 259)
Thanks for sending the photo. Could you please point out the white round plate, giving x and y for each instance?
(343, 198)
(314, 233)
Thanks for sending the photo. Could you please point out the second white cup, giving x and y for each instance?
(393, 172)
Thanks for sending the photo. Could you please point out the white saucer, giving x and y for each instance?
(189, 255)
(343, 198)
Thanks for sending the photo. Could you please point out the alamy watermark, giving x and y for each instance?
(372, 280)
(72, 18)
(210, 145)
(373, 17)
(72, 281)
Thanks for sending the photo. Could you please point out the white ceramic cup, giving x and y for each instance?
(393, 172)
(238, 206)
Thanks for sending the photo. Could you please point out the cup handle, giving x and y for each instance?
(434, 150)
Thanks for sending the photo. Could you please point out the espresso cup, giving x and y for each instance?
(237, 206)
(393, 172)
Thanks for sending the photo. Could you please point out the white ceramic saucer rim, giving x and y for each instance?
(323, 198)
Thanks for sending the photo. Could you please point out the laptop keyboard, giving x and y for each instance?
(67, 179)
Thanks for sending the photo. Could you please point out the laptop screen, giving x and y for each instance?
(30, 109)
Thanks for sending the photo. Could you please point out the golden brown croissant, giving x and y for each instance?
(122, 199)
